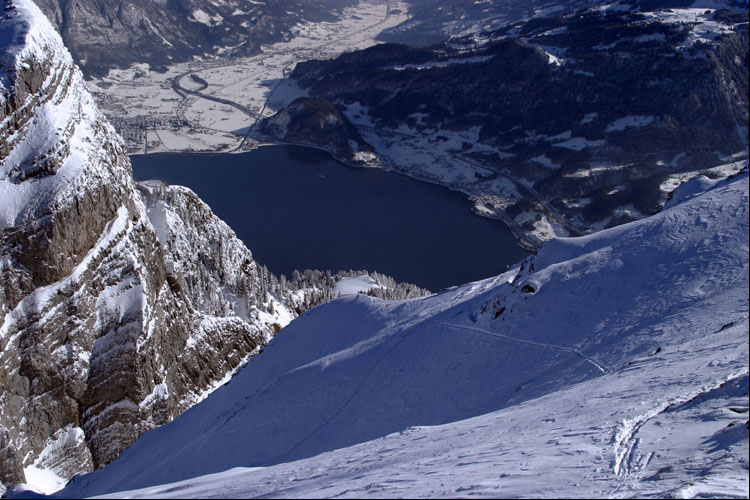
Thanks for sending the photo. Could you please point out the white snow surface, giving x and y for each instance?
(611, 365)
(579, 143)
(352, 285)
(698, 18)
(43, 479)
(443, 64)
(621, 124)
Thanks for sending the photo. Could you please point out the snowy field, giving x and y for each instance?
(353, 285)
(146, 100)
(612, 365)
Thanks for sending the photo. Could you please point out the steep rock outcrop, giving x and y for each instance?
(115, 314)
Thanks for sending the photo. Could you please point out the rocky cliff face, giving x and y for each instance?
(120, 306)
(103, 34)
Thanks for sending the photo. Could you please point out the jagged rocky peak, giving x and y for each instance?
(119, 308)
(59, 157)
(206, 263)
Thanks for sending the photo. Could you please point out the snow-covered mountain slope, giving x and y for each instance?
(614, 364)
(435, 21)
(114, 316)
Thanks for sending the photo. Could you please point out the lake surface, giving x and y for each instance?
(298, 208)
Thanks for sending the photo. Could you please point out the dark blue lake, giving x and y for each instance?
(298, 208)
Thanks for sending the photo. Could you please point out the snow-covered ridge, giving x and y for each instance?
(49, 123)
(25, 35)
(614, 364)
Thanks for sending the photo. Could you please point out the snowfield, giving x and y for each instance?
(612, 365)
(354, 285)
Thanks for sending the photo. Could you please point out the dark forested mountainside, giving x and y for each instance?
(590, 113)
(434, 21)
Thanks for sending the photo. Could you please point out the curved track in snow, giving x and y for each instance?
(530, 342)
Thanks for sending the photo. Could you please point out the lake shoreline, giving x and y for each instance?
(522, 238)
(420, 218)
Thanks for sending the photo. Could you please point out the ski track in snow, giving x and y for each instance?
(627, 461)
(530, 342)
(348, 402)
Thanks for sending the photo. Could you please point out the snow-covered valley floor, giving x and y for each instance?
(153, 117)
(612, 365)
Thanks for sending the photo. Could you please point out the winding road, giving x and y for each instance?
(298, 56)
(185, 91)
